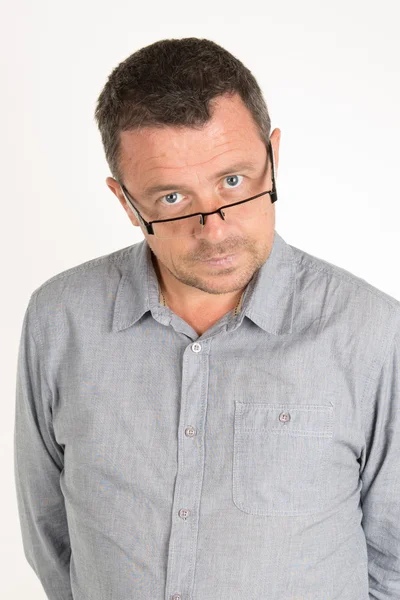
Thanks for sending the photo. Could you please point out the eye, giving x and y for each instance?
(233, 179)
(170, 199)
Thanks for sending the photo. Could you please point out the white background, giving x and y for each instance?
(330, 76)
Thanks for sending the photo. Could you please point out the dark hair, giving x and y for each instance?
(173, 82)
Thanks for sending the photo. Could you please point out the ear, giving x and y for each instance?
(116, 189)
(275, 141)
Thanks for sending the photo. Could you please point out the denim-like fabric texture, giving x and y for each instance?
(258, 461)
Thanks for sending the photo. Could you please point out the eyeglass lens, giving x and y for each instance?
(232, 214)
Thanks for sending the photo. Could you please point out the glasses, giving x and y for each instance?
(193, 224)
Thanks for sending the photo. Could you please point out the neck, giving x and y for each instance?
(235, 309)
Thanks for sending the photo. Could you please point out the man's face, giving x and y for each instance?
(189, 159)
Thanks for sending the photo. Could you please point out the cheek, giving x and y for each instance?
(166, 254)
(266, 224)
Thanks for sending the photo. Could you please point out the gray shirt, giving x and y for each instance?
(258, 461)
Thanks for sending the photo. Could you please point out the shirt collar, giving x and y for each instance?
(269, 299)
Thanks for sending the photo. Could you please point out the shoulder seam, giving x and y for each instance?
(331, 270)
(36, 333)
(375, 371)
(112, 258)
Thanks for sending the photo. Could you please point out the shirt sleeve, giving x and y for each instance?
(38, 463)
(380, 493)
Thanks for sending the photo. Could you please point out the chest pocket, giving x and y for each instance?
(279, 454)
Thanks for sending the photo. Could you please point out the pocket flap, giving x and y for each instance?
(286, 418)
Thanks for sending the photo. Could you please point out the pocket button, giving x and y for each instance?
(284, 417)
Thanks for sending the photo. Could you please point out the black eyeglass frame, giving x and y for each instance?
(149, 226)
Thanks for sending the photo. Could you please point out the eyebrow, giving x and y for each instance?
(163, 187)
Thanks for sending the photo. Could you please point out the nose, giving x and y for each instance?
(214, 227)
(219, 214)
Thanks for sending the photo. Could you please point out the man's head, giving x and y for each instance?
(180, 112)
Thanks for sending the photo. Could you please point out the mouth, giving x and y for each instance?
(229, 259)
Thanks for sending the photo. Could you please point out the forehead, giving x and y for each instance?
(153, 152)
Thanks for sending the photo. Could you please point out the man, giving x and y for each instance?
(189, 428)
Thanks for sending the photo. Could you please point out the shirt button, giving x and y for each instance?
(196, 347)
(184, 513)
(176, 597)
(284, 417)
(190, 431)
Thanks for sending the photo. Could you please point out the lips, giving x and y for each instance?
(218, 257)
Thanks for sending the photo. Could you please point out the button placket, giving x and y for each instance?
(184, 528)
